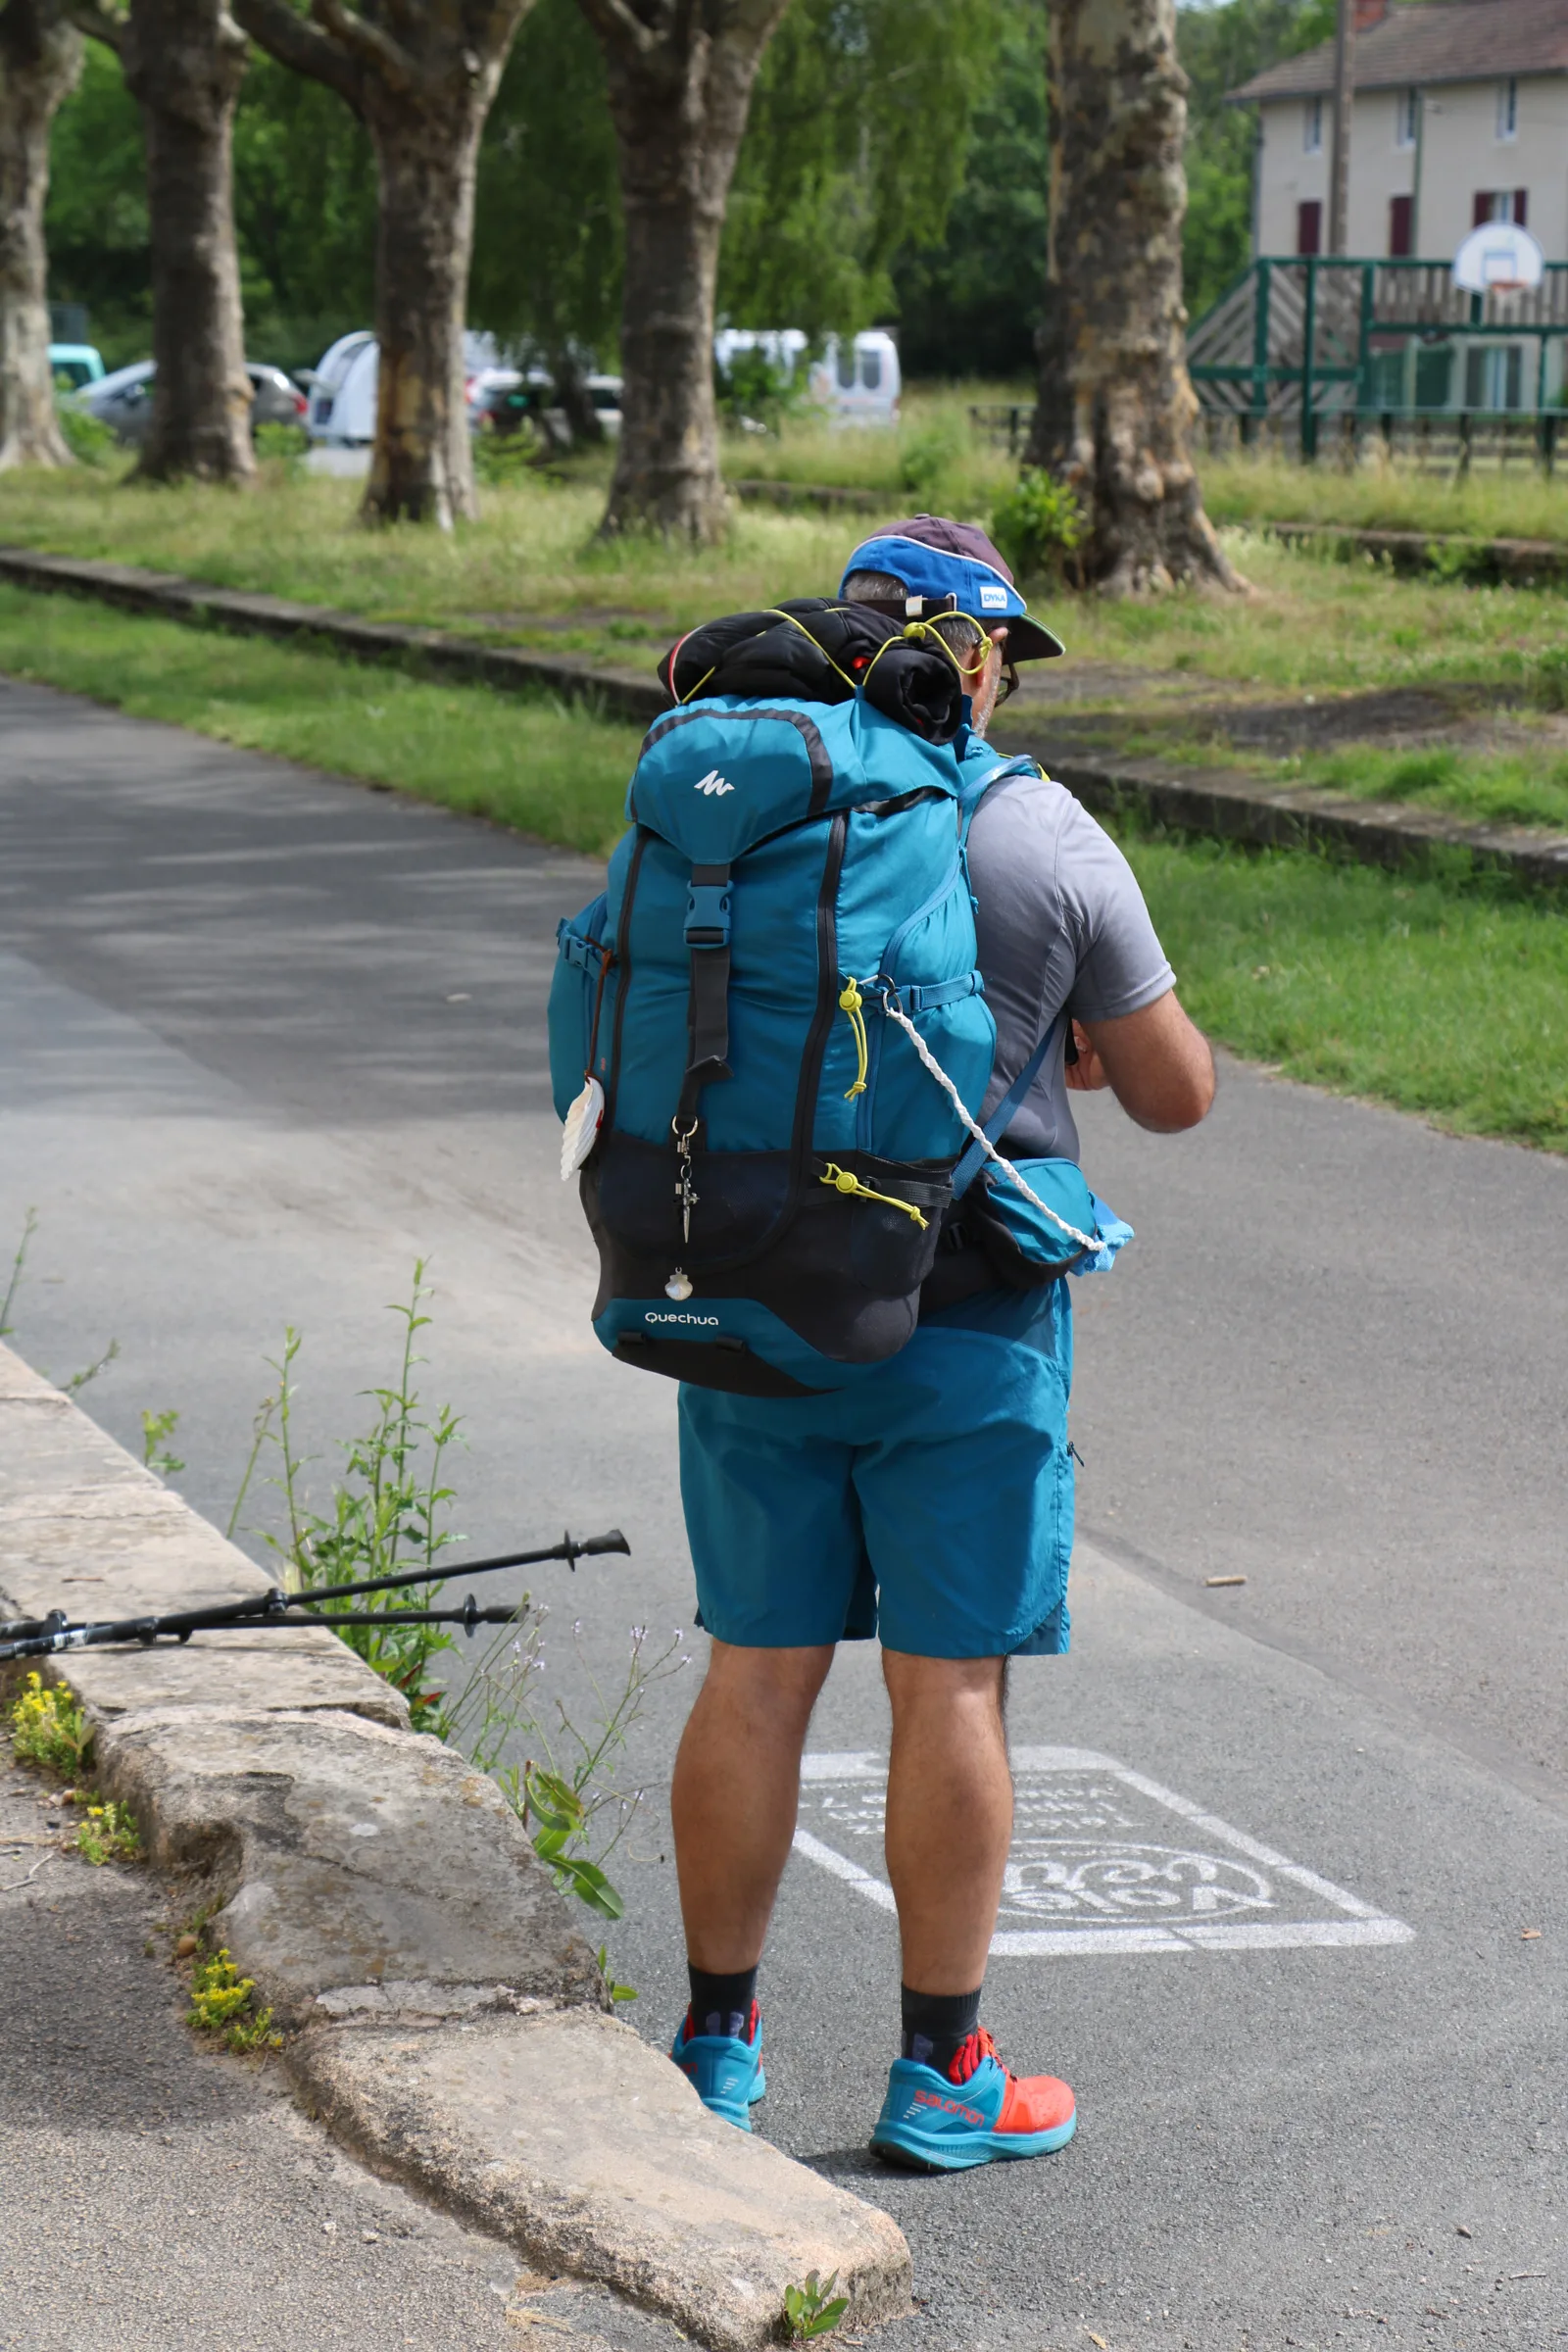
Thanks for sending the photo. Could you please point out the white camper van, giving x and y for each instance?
(342, 386)
(856, 379)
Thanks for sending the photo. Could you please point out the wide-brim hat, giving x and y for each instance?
(937, 559)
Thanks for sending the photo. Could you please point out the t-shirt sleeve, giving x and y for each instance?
(1122, 965)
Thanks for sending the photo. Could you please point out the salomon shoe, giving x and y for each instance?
(976, 2113)
(725, 2067)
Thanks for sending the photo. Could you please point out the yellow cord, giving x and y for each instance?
(850, 1002)
(843, 1181)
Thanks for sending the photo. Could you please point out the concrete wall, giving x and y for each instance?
(1459, 152)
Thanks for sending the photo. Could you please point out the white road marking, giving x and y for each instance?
(1093, 1855)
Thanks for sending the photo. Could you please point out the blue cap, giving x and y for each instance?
(936, 559)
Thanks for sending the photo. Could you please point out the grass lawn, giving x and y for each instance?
(1311, 624)
(1516, 505)
(1441, 997)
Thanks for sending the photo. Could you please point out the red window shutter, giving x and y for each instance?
(1309, 227)
(1482, 208)
(1400, 209)
(1521, 205)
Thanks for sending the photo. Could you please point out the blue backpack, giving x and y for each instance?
(767, 1157)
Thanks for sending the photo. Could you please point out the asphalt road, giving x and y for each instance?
(266, 1036)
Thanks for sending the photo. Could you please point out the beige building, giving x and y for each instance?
(1460, 115)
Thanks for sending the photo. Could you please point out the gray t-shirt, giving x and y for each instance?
(1061, 921)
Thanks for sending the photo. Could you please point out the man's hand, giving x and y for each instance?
(1156, 1062)
(1088, 1073)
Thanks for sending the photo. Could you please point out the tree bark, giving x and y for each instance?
(40, 59)
(680, 79)
(183, 63)
(423, 465)
(1116, 405)
(423, 91)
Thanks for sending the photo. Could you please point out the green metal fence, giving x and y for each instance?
(1315, 341)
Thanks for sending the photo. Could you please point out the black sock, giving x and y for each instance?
(722, 2004)
(937, 2024)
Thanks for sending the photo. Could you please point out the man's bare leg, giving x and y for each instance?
(735, 1794)
(949, 1814)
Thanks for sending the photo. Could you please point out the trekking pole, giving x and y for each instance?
(36, 1637)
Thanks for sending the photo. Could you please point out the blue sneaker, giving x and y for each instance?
(976, 2113)
(725, 2067)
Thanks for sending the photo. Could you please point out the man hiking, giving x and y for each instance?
(927, 1499)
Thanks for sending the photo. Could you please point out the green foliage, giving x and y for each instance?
(618, 1992)
(571, 1805)
(282, 450)
(1552, 679)
(1222, 43)
(386, 1513)
(854, 147)
(224, 2002)
(89, 440)
(1037, 524)
(813, 2309)
(548, 244)
(969, 303)
(108, 1834)
(96, 221)
(500, 459)
(155, 1428)
(304, 209)
(49, 1729)
(929, 457)
(752, 391)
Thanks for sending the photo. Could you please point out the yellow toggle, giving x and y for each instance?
(850, 1002)
(843, 1181)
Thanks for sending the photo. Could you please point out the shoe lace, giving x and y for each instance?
(968, 2055)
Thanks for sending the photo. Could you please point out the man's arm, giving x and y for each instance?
(1155, 1062)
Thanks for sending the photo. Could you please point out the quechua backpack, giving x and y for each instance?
(768, 1158)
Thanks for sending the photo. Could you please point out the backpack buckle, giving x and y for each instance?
(707, 915)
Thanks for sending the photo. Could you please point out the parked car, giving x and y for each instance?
(342, 385)
(74, 364)
(124, 400)
(501, 399)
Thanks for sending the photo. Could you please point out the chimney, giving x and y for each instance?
(1369, 13)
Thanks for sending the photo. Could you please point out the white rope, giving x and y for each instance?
(980, 1135)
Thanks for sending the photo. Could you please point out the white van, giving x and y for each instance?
(857, 382)
(342, 386)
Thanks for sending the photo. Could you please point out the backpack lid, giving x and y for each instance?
(722, 774)
(814, 649)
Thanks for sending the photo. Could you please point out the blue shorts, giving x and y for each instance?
(930, 1503)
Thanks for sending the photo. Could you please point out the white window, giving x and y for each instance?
(1507, 109)
(1406, 118)
(1312, 126)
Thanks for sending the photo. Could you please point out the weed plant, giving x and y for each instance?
(108, 1834)
(49, 1728)
(223, 2002)
(386, 1516)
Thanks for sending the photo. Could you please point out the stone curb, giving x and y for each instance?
(1224, 804)
(1518, 562)
(622, 693)
(1220, 803)
(444, 2016)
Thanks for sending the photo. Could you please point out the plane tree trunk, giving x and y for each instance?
(183, 63)
(40, 60)
(680, 86)
(423, 91)
(1116, 405)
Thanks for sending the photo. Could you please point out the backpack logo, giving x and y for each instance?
(713, 783)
